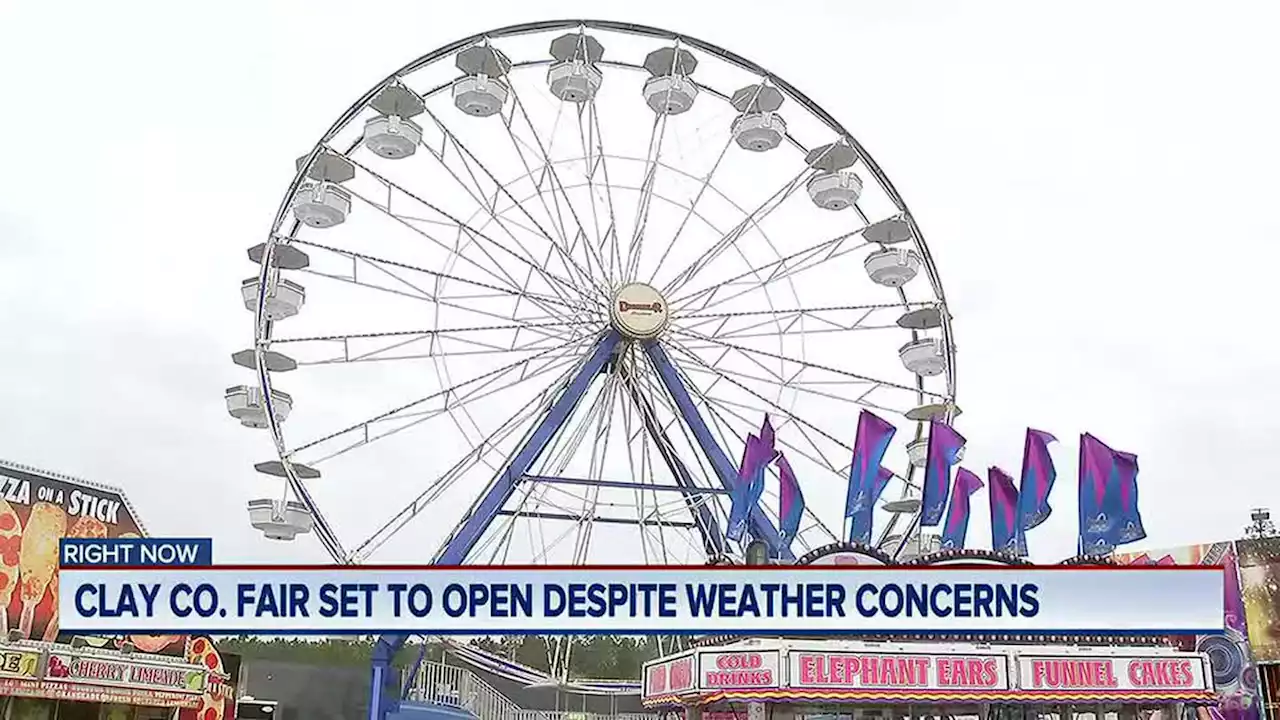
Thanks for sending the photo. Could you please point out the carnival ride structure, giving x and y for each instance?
(539, 285)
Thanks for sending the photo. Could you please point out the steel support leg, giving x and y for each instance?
(761, 527)
(487, 508)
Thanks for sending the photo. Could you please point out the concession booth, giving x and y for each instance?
(47, 674)
(930, 677)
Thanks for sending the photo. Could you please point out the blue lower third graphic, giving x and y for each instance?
(135, 552)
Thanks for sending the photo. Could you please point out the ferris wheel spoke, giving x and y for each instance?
(753, 219)
(439, 278)
(411, 420)
(448, 342)
(595, 159)
(644, 471)
(568, 439)
(472, 163)
(784, 268)
(487, 201)
(549, 171)
(856, 392)
(451, 397)
(615, 257)
(703, 186)
(717, 410)
(544, 548)
(542, 325)
(654, 390)
(464, 230)
(652, 520)
(599, 449)
(560, 286)
(792, 383)
(727, 325)
(803, 426)
(694, 496)
(749, 352)
(567, 313)
(723, 468)
(652, 160)
(477, 455)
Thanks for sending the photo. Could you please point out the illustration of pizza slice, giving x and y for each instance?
(10, 549)
(200, 651)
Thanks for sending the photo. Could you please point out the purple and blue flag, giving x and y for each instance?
(944, 448)
(1096, 518)
(860, 527)
(755, 458)
(865, 483)
(1007, 534)
(1038, 475)
(790, 501)
(1109, 514)
(1130, 520)
(956, 527)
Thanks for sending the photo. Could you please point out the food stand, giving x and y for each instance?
(836, 679)
(929, 677)
(46, 674)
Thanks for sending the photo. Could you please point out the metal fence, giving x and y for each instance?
(440, 684)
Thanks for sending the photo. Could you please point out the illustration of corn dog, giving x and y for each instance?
(38, 559)
(85, 527)
(51, 630)
(10, 547)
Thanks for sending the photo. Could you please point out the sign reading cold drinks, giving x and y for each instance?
(722, 670)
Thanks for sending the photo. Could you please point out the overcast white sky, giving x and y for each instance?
(1097, 182)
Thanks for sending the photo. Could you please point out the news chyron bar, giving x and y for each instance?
(172, 586)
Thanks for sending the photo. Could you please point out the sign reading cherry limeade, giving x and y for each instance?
(1102, 674)
(898, 671)
(747, 669)
(89, 670)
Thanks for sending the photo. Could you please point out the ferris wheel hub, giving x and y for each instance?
(639, 312)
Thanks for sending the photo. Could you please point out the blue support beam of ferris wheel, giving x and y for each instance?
(760, 525)
(381, 699)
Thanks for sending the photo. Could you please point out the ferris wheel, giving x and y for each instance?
(526, 299)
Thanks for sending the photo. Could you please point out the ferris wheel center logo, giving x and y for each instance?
(639, 312)
(624, 306)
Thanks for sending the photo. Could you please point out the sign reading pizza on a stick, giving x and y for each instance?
(37, 509)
